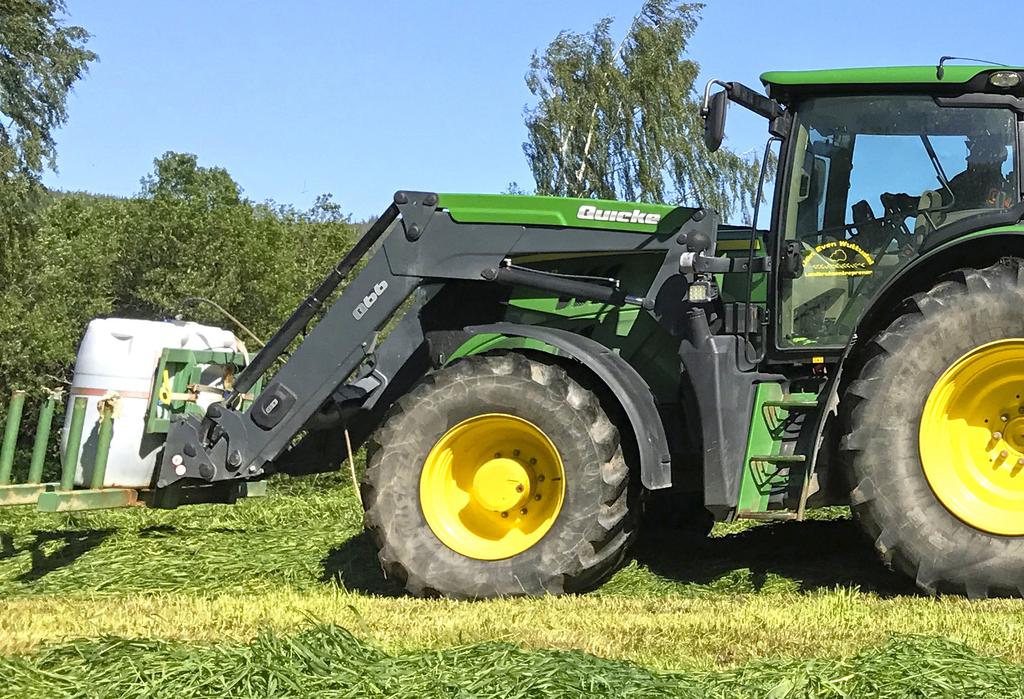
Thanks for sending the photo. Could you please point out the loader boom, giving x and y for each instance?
(338, 364)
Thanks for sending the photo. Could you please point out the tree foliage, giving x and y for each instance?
(188, 233)
(40, 59)
(623, 122)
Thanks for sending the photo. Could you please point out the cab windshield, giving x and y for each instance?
(873, 179)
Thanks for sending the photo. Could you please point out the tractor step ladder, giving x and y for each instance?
(768, 469)
(780, 458)
(791, 404)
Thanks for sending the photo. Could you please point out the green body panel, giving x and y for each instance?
(734, 242)
(634, 336)
(765, 437)
(899, 75)
(623, 318)
(561, 212)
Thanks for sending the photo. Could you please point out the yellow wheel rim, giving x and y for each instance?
(492, 486)
(972, 438)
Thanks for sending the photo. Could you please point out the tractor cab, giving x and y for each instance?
(877, 167)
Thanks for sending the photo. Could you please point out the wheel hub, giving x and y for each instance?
(972, 438)
(492, 486)
(501, 484)
(1014, 434)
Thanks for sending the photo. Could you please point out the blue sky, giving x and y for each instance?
(360, 99)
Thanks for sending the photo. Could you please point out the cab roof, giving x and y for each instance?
(955, 79)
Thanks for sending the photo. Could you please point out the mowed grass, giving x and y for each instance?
(328, 661)
(795, 606)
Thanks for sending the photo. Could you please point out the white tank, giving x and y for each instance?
(120, 355)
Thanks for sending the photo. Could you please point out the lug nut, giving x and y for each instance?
(497, 455)
(522, 511)
(533, 461)
(1004, 418)
(996, 436)
(504, 514)
(515, 452)
(1003, 454)
(537, 496)
(540, 477)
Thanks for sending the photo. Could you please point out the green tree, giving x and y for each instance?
(191, 233)
(623, 121)
(40, 59)
(188, 233)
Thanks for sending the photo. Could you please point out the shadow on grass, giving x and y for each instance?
(353, 565)
(52, 551)
(814, 554)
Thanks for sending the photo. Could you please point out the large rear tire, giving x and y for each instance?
(498, 476)
(935, 435)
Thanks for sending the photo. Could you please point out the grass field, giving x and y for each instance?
(282, 597)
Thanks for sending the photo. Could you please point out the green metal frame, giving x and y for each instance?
(184, 367)
(25, 493)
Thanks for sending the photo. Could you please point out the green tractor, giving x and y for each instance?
(559, 372)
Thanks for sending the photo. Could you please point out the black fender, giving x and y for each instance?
(624, 383)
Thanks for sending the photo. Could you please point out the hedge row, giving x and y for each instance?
(189, 232)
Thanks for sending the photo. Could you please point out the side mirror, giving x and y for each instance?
(714, 120)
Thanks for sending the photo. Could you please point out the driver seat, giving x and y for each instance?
(870, 230)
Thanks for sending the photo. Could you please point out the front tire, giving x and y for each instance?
(498, 476)
(935, 435)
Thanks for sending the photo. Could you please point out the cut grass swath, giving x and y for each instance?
(327, 661)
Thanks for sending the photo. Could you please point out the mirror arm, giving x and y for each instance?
(705, 105)
(780, 126)
(779, 120)
(754, 101)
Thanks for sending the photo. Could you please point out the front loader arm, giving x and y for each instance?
(336, 363)
(228, 444)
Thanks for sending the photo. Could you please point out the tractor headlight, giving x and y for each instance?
(699, 291)
(1004, 79)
